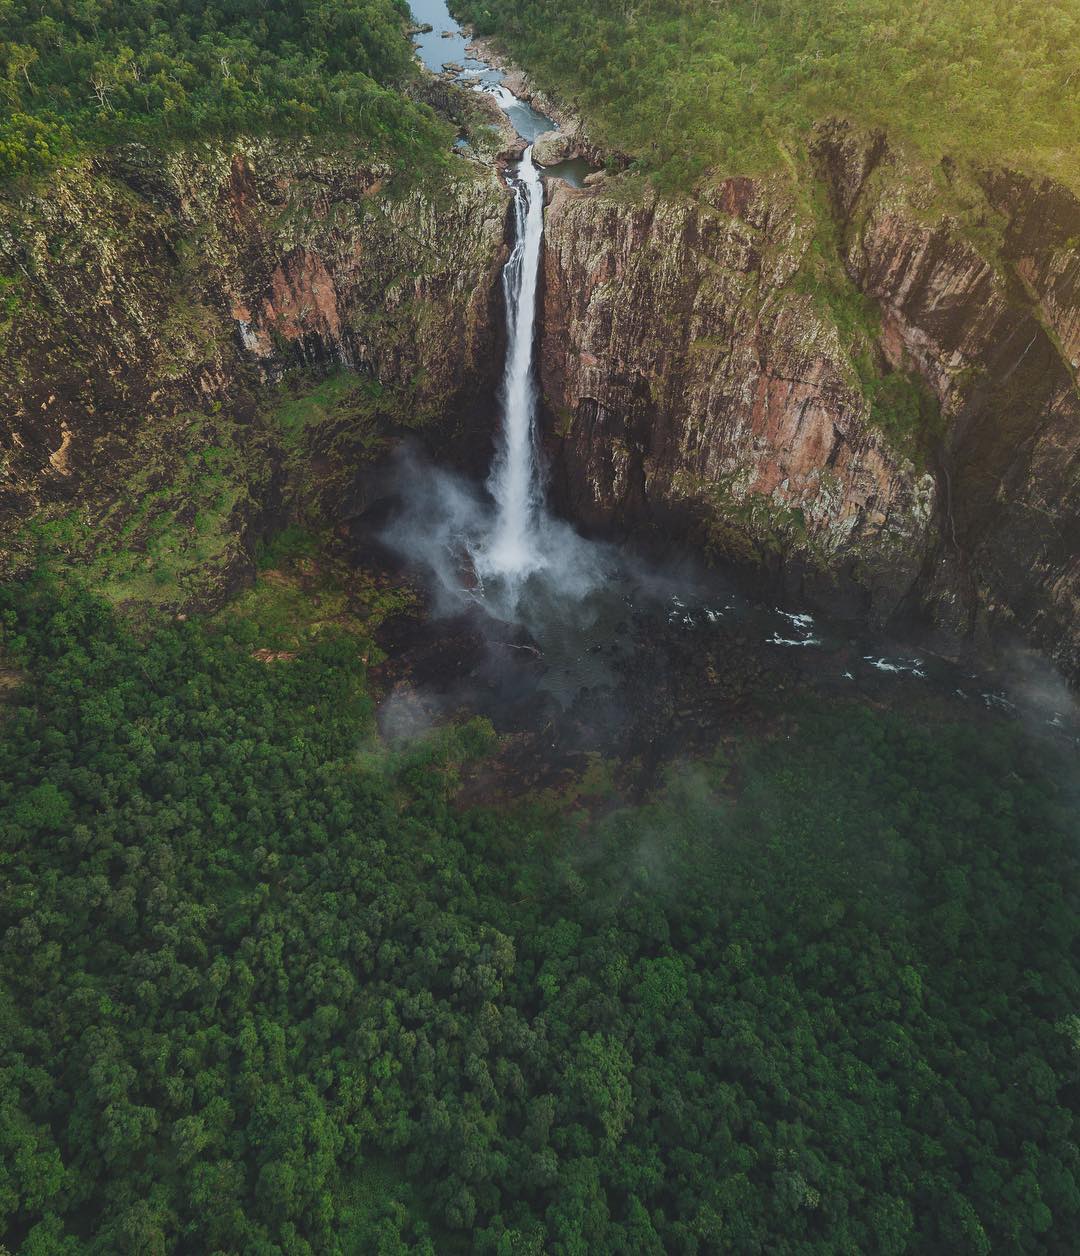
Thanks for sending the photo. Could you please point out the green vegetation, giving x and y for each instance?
(902, 406)
(310, 410)
(265, 991)
(267, 986)
(175, 525)
(303, 408)
(689, 86)
(174, 534)
(748, 527)
(303, 592)
(77, 73)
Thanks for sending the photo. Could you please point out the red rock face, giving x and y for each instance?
(302, 300)
(695, 382)
(998, 343)
(328, 270)
(696, 385)
(181, 272)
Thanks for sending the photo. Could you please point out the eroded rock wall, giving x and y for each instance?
(143, 284)
(983, 295)
(699, 375)
(696, 381)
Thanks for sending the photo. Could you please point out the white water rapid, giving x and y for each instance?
(513, 549)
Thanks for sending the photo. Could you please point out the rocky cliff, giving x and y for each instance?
(860, 374)
(872, 389)
(149, 299)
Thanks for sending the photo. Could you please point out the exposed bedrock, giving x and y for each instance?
(712, 367)
(697, 381)
(143, 285)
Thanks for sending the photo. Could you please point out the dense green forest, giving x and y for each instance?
(269, 986)
(267, 989)
(695, 85)
(87, 72)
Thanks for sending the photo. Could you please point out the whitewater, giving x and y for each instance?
(506, 549)
(514, 548)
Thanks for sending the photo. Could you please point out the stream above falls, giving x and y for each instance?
(445, 48)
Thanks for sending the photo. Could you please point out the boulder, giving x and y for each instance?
(552, 147)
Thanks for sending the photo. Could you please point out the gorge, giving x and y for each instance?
(570, 597)
(856, 399)
(539, 587)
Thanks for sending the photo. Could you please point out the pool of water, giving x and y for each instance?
(664, 659)
(575, 170)
(527, 121)
(640, 618)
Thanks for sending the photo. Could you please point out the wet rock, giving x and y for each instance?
(516, 81)
(513, 151)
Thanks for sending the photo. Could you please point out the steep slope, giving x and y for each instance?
(860, 375)
(913, 441)
(697, 384)
(147, 295)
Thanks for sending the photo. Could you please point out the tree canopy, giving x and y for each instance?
(265, 988)
(89, 72)
(695, 85)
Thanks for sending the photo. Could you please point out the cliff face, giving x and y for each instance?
(714, 368)
(141, 286)
(695, 383)
(992, 327)
(697, 380)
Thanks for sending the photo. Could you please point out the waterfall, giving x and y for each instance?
(513, 548)
(505, 553)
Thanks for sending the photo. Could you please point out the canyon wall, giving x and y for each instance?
(724, 368)
(707, 374)
(141, 287)
(694, 383)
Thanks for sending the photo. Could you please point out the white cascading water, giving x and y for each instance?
(512, 550)
(486, 552)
